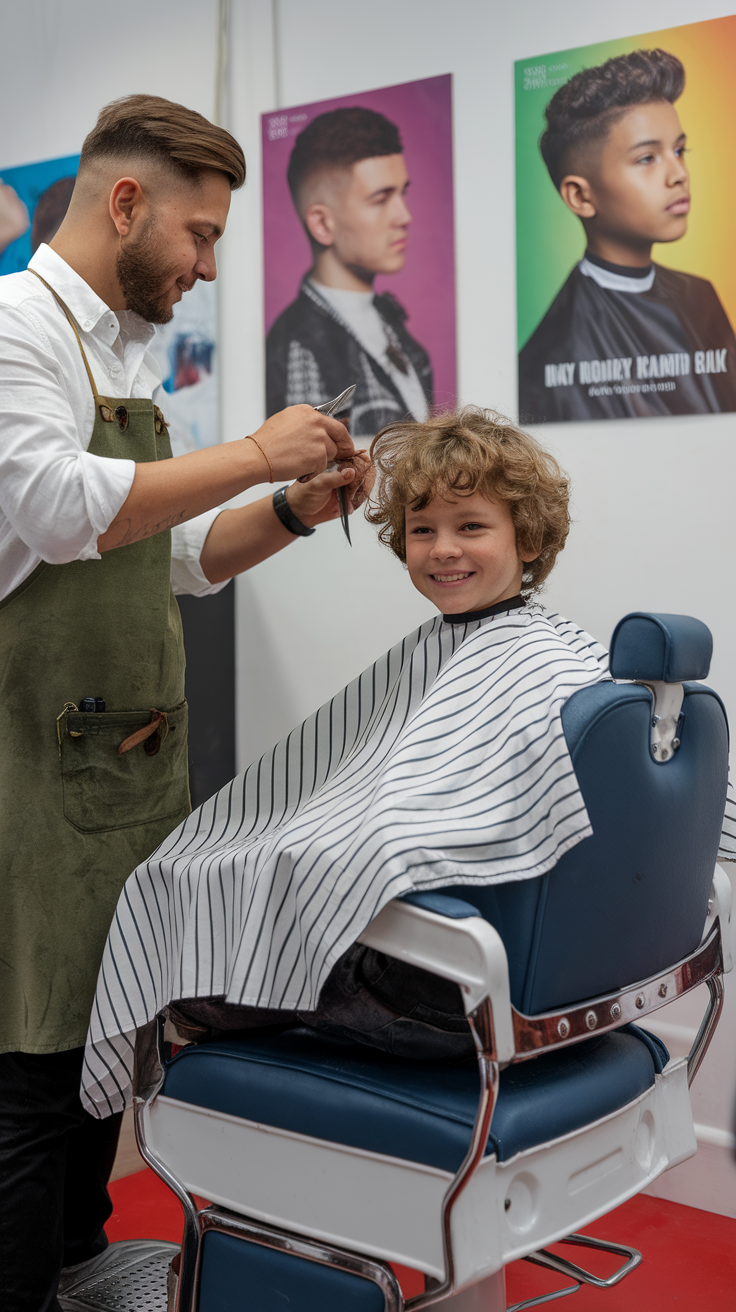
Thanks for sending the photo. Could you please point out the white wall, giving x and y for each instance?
(61, 60)
(652, 500)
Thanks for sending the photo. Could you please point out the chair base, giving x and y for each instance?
(133, 1276)
(487, 1296)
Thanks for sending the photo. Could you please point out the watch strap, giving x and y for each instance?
(287, 516)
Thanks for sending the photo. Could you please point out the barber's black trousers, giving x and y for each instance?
(55, 1162)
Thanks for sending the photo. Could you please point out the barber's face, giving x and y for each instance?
(365, 218)
(461, 553)
(638, 186)
(172, 246)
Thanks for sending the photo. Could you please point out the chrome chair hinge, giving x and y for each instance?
(667, 718)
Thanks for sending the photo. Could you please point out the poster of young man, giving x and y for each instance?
(33, 201)
(626, 283)
(359, 253)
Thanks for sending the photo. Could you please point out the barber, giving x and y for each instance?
(95, 520)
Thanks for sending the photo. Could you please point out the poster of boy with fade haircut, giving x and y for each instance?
(358, 250)
(626, 335)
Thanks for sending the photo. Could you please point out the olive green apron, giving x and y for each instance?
(77, 816)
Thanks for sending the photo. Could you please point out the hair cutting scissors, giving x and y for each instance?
(335, 407)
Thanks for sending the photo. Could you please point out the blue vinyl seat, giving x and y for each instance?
(326, 1159)
(330, 1088)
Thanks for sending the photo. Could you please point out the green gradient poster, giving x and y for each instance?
(626, 282)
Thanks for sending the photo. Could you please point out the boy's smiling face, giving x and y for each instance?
(461, 553)
(632, 188)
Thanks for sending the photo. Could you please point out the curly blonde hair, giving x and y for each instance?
(466, 451)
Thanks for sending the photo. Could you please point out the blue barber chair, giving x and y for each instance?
(327, 1160)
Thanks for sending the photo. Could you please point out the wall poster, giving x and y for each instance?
(186, 351)
(625, 195)
(359, 253)
(33, 201)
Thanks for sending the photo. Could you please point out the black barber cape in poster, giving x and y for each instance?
(627, 343)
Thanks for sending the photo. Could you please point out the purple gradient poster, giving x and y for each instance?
(359, 253)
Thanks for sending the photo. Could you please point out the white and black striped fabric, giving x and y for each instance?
(445, 762)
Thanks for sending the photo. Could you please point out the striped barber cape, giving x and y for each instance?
(444, 762)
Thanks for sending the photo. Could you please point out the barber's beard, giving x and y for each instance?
(146, 277)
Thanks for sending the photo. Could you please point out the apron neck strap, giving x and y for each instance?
(73, 326)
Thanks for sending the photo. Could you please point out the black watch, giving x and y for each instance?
(287, 516)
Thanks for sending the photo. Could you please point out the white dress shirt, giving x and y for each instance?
(56, 498)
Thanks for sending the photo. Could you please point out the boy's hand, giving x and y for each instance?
(316, 502)
(299, 440)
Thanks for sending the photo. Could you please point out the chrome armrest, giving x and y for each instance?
(717, 921)
(470, 952)
(719, 908)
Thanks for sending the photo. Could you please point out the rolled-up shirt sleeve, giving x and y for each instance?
(187, 541)
(56, 496)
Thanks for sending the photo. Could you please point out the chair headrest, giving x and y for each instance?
(667, 648)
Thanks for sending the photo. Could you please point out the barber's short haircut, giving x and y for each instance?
(167, 134)
(586, 107)
(51, 208)
(461, 452)
(339, 139)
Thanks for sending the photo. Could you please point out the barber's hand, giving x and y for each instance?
(299, 441)
(316, 502)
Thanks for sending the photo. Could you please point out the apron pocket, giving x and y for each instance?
(104, 790)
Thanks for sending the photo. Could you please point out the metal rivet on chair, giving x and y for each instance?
(663, 990)
(563, 1027)
(640, 1000)
(615, 1011)
(591, 1019)
(675, 744)
(655, 748)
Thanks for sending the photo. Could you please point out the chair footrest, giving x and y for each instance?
(544, 1298)
(554, 1262)
(129, 1274)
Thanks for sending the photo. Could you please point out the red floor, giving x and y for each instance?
(689, 1255)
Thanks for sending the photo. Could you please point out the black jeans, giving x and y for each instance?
(55, 1162)
(368, 997)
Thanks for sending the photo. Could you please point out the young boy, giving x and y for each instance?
(348, 180)
(625, 337)
(442, 764)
